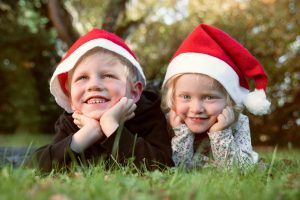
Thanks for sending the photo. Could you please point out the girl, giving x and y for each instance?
(204, 92)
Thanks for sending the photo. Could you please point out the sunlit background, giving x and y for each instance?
(35, 34)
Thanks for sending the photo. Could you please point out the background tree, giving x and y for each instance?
(27, 51)
(154, 29)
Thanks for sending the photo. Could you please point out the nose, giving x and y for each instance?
(197, 106)
(95, 84)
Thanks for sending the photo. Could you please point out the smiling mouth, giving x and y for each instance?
(198, 118)
(96, 100)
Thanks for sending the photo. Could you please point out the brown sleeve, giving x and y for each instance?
(153, 153)
(57, 154)
(145, 137)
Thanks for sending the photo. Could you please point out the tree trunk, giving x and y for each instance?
(114, 9)
(62, 22)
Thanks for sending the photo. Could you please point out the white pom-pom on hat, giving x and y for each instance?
(256, 102)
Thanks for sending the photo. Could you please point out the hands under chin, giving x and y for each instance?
(174, 119)
(89, 132)
(224, 120)
(120, 112)
(110, 120)
(82, 120)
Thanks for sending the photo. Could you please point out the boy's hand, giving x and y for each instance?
(120, 112)
(224, 120)
(81, 120)
(89, 132)
(175, 120)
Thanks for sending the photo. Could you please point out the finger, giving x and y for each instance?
(228, 114)
(76, 121)
(121, 104)
(177, 120)
(78, 124)
(129, 106)
(76, 115)
(130, 116)
(129, 103)
(221, 118)
(123, 100)
(172, 115)
(132, 108)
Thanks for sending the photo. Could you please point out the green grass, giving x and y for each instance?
(280, 180)
(25, 139)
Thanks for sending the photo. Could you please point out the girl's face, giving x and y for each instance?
(198, 100)
(97, 83)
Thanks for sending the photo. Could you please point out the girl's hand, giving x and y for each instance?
(120, 112)
(224, 120)
(81, 120)
(175, 120)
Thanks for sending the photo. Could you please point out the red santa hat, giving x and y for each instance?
(210, 51)
(94, 38)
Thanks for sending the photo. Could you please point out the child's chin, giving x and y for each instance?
(95, 115)
(197, 130)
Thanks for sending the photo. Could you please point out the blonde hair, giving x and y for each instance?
(168, 93)
(131, 71)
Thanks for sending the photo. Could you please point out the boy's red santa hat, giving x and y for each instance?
(210, 51)
(94, 38)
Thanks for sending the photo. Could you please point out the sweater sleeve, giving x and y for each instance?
(151, 152)
(182, 146)
(145, 138)
(232, 146)
(58, 153)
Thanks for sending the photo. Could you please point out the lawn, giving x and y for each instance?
(25, 139)
(280, 180)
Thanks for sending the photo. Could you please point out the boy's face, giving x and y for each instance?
(198, 101)
(97, 83)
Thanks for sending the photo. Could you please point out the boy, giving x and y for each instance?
(100, 81)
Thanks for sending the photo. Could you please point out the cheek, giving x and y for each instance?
(75, 97)
(119, 92)
(74, 103)
(116, 92)
(181, 109)
(216, 109)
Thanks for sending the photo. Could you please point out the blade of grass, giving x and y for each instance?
(269, 175)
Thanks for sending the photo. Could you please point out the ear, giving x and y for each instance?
(67, 87)
(136, 91)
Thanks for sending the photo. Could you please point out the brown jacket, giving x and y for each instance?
(145, 137)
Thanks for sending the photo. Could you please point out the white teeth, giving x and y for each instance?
(94, 101)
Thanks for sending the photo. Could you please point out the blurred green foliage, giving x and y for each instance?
(27, 57)
(30, 49)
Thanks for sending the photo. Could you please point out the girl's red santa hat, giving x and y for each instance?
(210, 51)
(94, 38)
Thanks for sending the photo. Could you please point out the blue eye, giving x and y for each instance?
(186, 97)
(109, 76)
(83, 77)
(210, 98)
